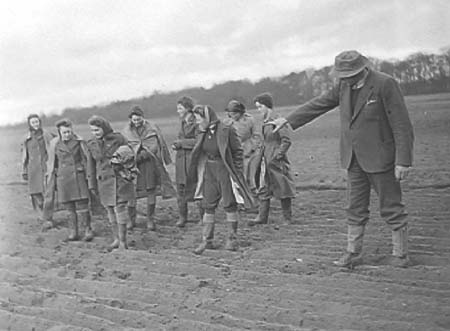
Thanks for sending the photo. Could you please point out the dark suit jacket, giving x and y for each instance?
(378, 131)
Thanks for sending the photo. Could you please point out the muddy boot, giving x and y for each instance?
(85, 218)
(47, 225)
(122, 236)
(207, 234)
(231, 243)
(201, 210)
(115, 231)
(132, 214)
(183, 211)
(353, 256)
(400, 257)
(263, 213)
(73, 223)
(151, 225)
(40, 202)
(286, 206)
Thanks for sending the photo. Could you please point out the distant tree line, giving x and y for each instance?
(417, 74)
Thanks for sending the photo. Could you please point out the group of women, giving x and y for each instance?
(232, 160)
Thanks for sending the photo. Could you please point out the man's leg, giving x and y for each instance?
(393, 212)
(357, 214)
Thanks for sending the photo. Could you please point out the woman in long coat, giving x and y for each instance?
(274, 173)
(111, 175)
(219, 155)
(152, 155)
(34, 159)
(67, 162)
(183, 145)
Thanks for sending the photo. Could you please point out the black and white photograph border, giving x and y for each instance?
(225, 165)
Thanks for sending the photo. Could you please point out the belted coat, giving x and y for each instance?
(186, 140)
(276, 175)
(67, 161)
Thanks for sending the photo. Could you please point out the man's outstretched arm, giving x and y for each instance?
(308, 111)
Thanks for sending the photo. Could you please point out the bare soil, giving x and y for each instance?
(282, 277)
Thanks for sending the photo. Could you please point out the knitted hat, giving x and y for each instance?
(206, 112)
(235, 107)
(186, 102)
(264, 99)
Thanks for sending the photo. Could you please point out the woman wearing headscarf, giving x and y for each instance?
(67, 162)
(111, 175)
(34, 158)
(218, 157)
(274, 173)
(183, 145)
(152, 155)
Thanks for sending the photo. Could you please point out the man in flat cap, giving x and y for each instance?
(376, 147)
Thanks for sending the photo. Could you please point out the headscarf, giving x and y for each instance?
(265, 99)
(208, 113)
(102, 123)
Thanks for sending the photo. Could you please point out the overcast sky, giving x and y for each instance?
(57, 54)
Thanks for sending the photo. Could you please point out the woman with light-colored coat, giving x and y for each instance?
(34, 159)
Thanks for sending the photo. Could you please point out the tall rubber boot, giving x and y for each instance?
(40, 201)
(73, 223)
(286, 206)
(151, 225)
(85, 219)
(353, 256)
(231, 243)
(207, 234)
(183, 213)
(132, 214)
(400, 248)
(263, 213)
(122, 236)
(201, 210)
